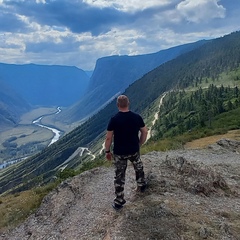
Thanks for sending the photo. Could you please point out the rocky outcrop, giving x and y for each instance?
(226, 144)
(191, 194)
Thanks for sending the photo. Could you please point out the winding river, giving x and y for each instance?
(56, 136)
(37, 122)
(56, 132)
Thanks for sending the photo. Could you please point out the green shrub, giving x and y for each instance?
(66, 173)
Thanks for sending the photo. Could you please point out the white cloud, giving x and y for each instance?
(127, 5)
(201, 10)
(62, 32)
(40, 1)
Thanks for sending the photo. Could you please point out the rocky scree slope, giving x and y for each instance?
(192, 194)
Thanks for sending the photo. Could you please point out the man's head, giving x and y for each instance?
(123, 102)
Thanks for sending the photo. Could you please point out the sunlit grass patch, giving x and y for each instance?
(16, 207)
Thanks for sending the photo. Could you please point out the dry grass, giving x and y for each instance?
(192, 217)
(196, 217)
(204, 142)
(14, 208)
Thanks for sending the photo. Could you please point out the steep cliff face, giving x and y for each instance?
(112, 75)
(192, 194)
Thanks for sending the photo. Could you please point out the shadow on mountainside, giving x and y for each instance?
(191, 194)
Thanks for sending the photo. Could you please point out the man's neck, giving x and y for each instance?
(123, 109)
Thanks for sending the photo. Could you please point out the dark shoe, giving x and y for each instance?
(117, 206)
(142, 189)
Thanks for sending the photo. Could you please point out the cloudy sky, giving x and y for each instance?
(78, 32)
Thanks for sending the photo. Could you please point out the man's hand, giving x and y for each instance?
(143, 135)
(109, 156)
(108, 143)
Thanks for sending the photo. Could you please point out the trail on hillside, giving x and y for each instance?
(156, 116)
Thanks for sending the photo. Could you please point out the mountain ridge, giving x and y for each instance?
(47, 85)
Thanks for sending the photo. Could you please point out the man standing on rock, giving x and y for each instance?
(123, 129)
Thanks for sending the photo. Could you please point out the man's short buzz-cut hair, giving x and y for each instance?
(122, 101)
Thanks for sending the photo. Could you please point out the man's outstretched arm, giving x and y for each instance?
(108, 140)
(143, 135)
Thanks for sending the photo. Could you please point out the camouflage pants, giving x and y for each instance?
(120, 163)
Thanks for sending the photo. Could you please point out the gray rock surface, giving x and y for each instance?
(192, 194)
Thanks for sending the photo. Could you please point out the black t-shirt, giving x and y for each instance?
(125, 127)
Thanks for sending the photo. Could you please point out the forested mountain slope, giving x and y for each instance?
(209, 61)
(201, 110)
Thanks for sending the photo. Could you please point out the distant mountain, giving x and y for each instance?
(46, 85)
(216, 57)
(114, 74)
(89, 73)
(12, 106)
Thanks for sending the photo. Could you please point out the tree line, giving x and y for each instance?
(184, 111)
